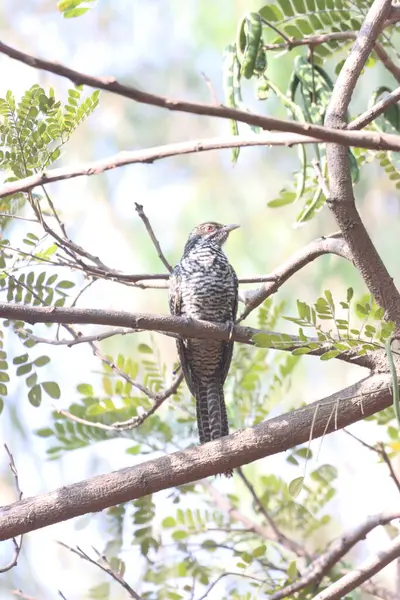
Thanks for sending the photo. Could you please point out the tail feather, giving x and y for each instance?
(212, 419)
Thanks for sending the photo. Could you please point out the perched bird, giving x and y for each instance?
(204, 286)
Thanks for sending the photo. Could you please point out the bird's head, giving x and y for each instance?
(211, 231)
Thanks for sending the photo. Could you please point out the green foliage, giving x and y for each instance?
(309, 86)
(74, 8)
(367, 334)
(33, 131)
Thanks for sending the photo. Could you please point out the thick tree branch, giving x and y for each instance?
(334, 244)
(351, 404)
(162, 324)
(341, 202)
(368, 569)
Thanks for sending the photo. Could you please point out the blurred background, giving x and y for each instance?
(165, 48)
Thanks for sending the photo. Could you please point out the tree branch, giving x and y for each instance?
(355, 578)
(334, 244)
(324, 563)
(105, 566)
(341, 202)
(161, 324)
(371, 140)
(156, 243)
(351, 404)
(372, 113)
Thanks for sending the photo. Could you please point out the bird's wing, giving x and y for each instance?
(226, 354)
(175, 307)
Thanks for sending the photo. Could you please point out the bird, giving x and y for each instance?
(204, 285)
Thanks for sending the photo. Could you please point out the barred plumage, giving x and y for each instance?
(204, 286)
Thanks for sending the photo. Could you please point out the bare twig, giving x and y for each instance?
(103, 564)
(321, 179)
(378, 591)
(388, 462)
(280, 537)
(245, 446)
(149, 229)
(210, 86)
(387, 61)
(17, 545)
(266, 533)
(372, 113)
(79, 339)
(365, 571)
(134, 422)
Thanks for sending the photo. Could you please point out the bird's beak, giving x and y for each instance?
(229, 228)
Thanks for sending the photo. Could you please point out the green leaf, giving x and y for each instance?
(35, 395)
(1, 405)
(330, 354)
(44, 432)
(65, 285)
(145, 349)
(41, 361)
(259, 551)
(52, 389)
(24, 369)
(295, 486)
(169, 522)
(85, 389)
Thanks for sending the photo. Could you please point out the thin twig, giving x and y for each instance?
(104, 565)
(17, 545)
(286, 542)
(372, 113)
(149, 229)
(321, 179)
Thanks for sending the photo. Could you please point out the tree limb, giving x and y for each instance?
(351, 404)
(162, 324)
(341, 202)
(355, 578)
(334, 244)
(371, 140)
(340, 547)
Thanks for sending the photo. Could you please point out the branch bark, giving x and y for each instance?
(160, 323)
(334, 244)
(341, 202)
(370, 567)
(349, 405)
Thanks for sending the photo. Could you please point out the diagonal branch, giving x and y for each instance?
(149, 229)
(351, 404)
(103, 564)
(333, 244)
(365, 571)
(341, 202)
(340, 547)
(372, 113)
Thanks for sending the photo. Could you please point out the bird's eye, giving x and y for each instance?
(210, 228)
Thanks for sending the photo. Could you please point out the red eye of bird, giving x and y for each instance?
(210, 227)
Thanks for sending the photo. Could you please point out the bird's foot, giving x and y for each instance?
(231, 328)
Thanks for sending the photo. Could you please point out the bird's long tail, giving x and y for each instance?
(212, 419)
